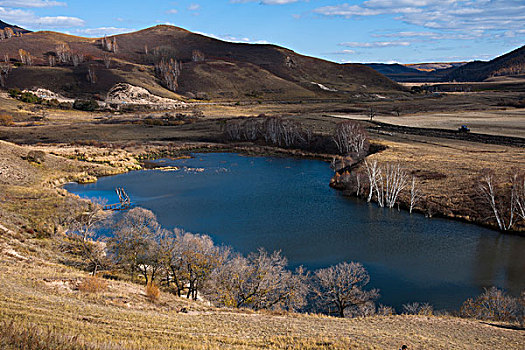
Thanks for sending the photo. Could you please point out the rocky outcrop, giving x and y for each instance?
(123, 93)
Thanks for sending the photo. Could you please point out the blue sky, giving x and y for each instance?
(405, 31)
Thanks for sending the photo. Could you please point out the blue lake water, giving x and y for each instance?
(286, 204)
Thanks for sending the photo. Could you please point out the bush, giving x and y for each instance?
(493, 305)
(6, 120)
(36, 157)
(152, 292)
(418, 309)
(29, 97)
(85, 105)
(92, 285)
(14, 93)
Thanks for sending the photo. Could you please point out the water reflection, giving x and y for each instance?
(286, 204)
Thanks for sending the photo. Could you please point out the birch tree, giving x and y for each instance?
(351, 138)
(415, 193)
(502, 202)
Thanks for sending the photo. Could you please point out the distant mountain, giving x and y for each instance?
(209, 67)
(16, 29)
(512, 63)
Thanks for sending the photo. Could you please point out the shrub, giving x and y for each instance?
(493, 305)
(29, 97)
(14, 93)
(92, 285)
(152, 292)
(6, 120)
(85, 105)
(424, 309)
(65, 105)
(36, 157)
(383, 310)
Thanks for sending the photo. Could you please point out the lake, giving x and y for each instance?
(286, 204)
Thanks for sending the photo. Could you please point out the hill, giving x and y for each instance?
(209, 67)
(15, 29)
(510, 64)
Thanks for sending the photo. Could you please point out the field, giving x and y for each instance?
(40, 303)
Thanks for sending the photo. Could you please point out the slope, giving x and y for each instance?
(512, 63)
(230, 70)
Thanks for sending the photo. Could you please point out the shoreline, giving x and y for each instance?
(181, 151)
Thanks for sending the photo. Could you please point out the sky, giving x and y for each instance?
(388, 31)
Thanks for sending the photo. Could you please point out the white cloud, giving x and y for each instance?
(234, 39)
(343, 52)
(28, 18)
(461, 15)
(375, 44)
(99, 32)
(31, 3)
(194, 7)
(172, 11)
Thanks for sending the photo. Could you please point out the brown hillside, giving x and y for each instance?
(231, 70)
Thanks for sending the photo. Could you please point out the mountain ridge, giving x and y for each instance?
(228, 70)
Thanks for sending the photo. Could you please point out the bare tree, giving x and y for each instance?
(233, 129)
(107, 60)
(493, 305)
(415, 193)
(114, 45)
(386, 182)
(52, 60)
(91, 76)
(25, 57)
(134, 237)
(260, 281)
(502, 201)
(342, 286)
(5, 69)
(351, 138)
(397, 110)
(372, 170)
(396, 180)
(250, 129)
(81, 235)
(169, 71)
(371, 113)
(197, 56)
(518, 185)
(146, 51)
(63, 53)
(9, 33)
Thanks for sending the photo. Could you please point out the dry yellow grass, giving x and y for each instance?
(35, 293)
(450, 168)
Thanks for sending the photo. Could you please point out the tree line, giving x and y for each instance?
(191, 265)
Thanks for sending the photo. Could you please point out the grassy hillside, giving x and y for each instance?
(230, 70)
(15, 29)
(512, 63)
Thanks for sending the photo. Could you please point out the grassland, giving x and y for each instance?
(40, 302)
(39, 298)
